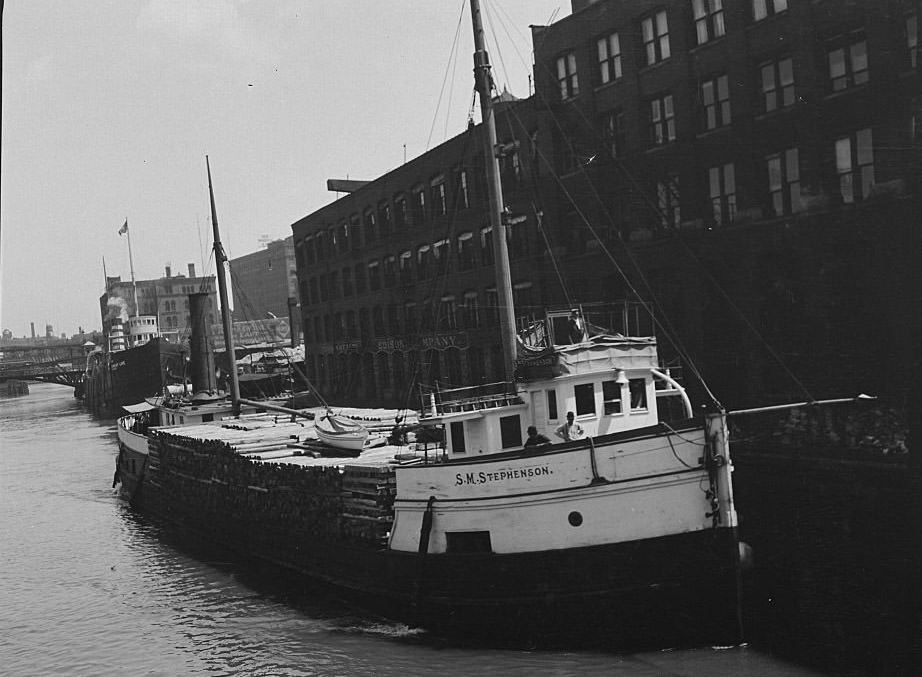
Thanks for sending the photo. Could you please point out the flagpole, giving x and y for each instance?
(134, 287)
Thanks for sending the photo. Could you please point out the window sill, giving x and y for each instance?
(653, 66)
(709, 43)
(853, 89)
(714, 132)
(775, 113)
(660, 147)
(609, 85)
(768, 19)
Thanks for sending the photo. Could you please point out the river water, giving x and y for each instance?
(87, 587)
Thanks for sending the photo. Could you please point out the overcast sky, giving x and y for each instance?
(109, 107)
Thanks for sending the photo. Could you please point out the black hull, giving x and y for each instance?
(127, 377)
(669, 591)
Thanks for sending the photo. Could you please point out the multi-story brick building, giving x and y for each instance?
(167, 298)
(396, 279)
(753, 169)
(264, 281)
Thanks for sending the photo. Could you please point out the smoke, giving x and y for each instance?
(117, 308)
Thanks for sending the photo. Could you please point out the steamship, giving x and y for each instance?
(626, 533)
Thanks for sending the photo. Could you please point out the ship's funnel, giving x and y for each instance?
(201, 357)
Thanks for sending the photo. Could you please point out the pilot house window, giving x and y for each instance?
(611, 394)
(585, 399)
(638, 388)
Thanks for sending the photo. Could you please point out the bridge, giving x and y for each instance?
(62, 373)
(60, 362)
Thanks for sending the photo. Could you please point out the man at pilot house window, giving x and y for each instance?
(571, 430)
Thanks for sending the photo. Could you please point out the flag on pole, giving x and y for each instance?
(124, 228)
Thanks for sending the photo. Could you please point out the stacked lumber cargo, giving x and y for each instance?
(368, 502)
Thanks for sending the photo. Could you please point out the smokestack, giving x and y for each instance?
(201, 358)
(191, 270)
(32, 324)
(168, 271)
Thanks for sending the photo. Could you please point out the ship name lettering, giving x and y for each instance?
(500, 475)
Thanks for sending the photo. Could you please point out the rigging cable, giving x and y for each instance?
(453, 52)
(671, 333)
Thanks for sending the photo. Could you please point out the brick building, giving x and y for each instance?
(264, 281)
(396, 279)
(167, 298)
(753, 168)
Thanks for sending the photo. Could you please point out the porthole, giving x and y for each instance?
(575, 519)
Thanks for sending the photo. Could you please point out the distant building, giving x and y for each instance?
(264, 281)
(166, 298)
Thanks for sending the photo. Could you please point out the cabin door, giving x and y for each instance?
(538, 409)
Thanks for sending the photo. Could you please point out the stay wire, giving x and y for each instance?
(454, 46)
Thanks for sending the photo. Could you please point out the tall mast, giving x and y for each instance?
(220, 258)
(483, 82)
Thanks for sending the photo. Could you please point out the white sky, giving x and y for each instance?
(109, 107)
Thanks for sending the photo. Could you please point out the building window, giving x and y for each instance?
(423, 262)
(439, 204)
(715, 102)
(777, 84)
(355, 232)
(470, 312)
(709, 19)
(609, 52)
(440, 253)
(667, 202)
(419, 204)
(400, 212)
(390, 271)
(722, 183)
(360, 278)
(465, 251)
(374, 276)
(347, 282)
(492, 305)
(486, 246)
(410, 322)
(464, 197)
(406, 267)
(848, 65)
(764, 8)
(784, 182)
(655, 32)
(384, 219)
(447, 317)
(912, 40)
(613, 132)
(567, 79)
(371, 229)
(662, 120)
(377, 321)
(855, 165)
(393, 318)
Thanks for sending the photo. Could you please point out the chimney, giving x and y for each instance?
(168, 271)
(191, 270)
(32, 324)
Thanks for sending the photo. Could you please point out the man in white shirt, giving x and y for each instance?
(571, 430)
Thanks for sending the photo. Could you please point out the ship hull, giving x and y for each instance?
(679, 589)
(128, 376)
